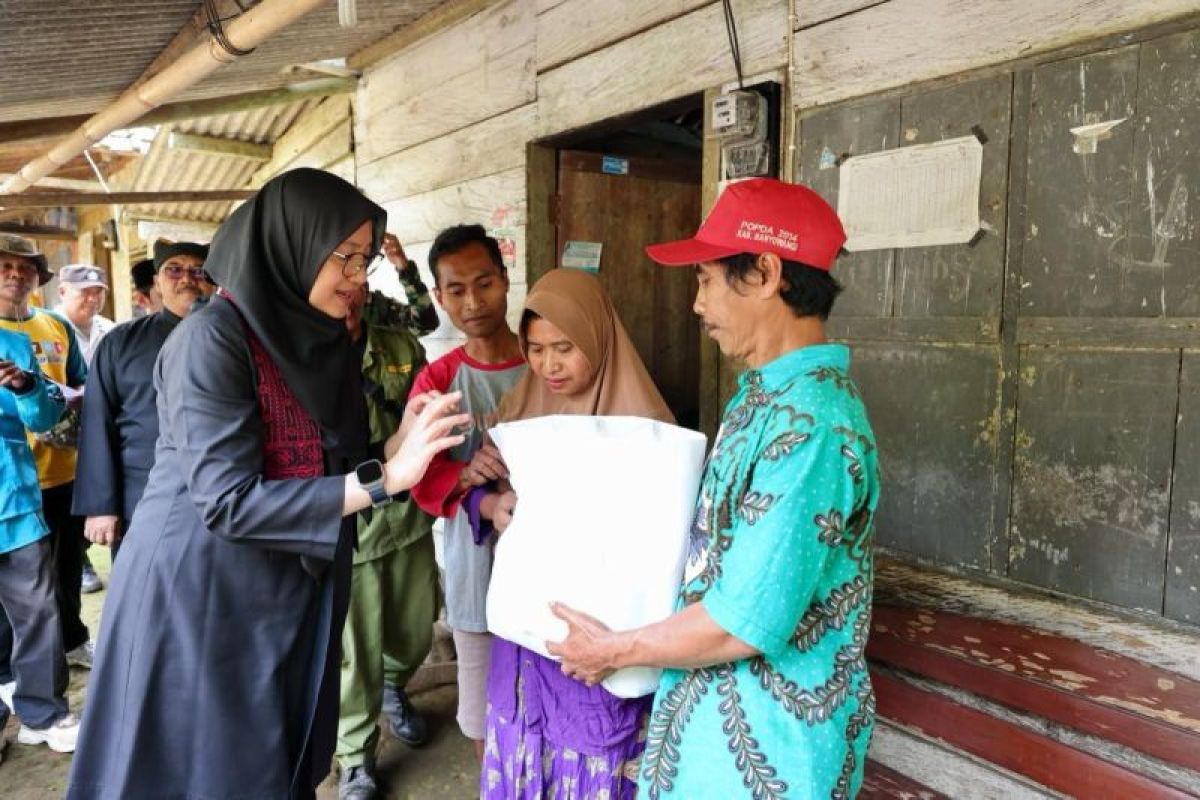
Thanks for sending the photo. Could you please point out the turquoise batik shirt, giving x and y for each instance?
(781, 559)
(36, 408)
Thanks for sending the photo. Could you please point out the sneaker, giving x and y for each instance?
(357, 783)
(59, 736)
(82, 656)
(403, 720)
(90, 582)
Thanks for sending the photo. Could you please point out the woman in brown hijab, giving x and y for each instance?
(549, 735)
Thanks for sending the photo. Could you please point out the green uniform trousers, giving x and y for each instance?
(388, 634)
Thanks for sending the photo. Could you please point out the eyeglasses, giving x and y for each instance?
(175, 272)
(354, 263)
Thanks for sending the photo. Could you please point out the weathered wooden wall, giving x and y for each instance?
(442, 126)
(1034, 392)
(1031, 391)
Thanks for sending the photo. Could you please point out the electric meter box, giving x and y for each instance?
(745, 123)
(737, 114)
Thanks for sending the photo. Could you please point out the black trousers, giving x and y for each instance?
(66, 539)
(31, 651)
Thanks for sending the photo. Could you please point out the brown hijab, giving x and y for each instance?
(575, 302)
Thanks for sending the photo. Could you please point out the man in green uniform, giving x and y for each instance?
(393, 593)
(766, 692)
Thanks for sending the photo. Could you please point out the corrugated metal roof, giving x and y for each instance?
(75, 56)
(68, 57)
(165, 169)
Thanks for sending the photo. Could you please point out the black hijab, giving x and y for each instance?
(267, 256)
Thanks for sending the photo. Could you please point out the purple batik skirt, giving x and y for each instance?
(550, 737)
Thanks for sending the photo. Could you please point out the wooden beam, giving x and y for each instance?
(35, 200)
(174, 112)
(443, 16)
(891, 45)
(690, 54)
(73, 184)
(1108, 695)
(307, 133)
(1013, 747)
(219, 145)
(40, 231)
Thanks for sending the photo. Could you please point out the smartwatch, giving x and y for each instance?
(370, 477)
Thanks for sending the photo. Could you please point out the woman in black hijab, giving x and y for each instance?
(216, 671)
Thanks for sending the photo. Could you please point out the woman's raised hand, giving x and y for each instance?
(426, 430)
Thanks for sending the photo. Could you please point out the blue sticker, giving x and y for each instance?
(828, 159)
(613, 165)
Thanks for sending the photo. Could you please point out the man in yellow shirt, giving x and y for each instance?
(23, 269)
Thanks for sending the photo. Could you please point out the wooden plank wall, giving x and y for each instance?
(441, 127)
(1042, 427)
(866, 47)
(441, 134)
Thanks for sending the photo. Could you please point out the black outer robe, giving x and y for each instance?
(217, 659)
(119, 422)
(217, 667)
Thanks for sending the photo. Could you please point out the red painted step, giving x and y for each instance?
(1096, 691)
(1005, 744)
(885, 783)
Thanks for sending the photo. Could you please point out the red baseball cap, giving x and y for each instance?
(757, 216)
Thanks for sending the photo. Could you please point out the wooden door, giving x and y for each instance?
(625, 204)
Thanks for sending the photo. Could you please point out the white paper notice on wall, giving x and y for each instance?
(912, 196)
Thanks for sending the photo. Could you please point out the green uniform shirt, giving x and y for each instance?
(391, 360)
(781, 559)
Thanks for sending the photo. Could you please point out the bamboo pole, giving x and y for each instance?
(27, 129)
(245, 32)
(52, 199)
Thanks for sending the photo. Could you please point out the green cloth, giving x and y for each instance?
(388, 633)
(392, 358)
(782, 560)
(393, 588)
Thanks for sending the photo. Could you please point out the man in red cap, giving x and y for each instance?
(765, 691)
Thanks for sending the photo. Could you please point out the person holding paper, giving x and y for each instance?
(549, 735)
(766, 692)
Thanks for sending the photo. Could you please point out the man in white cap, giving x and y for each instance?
(82, 291)
(81, 295)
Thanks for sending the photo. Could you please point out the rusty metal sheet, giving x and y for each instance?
(1076, 255)
(825, 139)
(935, 411)
(960, 280)
(1091, 488)
(1182, 597)
(1165, 227)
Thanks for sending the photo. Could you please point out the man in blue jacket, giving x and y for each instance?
(33, 671)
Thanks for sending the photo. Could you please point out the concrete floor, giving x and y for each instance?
(445, 768)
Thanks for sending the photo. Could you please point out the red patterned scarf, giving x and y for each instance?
(291, 439)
